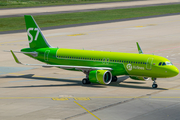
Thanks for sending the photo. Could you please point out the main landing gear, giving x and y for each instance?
(114, 79)
(86, 81)
(154, 85)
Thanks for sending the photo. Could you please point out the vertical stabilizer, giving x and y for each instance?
(35, 36)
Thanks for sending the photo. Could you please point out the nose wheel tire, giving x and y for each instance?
(154, 86)
(85, 81)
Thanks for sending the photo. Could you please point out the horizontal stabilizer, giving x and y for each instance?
(31, 53)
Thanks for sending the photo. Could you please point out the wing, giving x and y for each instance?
(62, 66)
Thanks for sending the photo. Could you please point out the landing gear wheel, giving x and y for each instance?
(154, 86)
(85, 81)
(114, 78)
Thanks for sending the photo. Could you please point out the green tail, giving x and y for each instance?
(35, 36)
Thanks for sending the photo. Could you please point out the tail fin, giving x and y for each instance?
(35, 36)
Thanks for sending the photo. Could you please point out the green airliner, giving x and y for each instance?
(99, 66)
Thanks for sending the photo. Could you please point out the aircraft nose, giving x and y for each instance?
(174, 71)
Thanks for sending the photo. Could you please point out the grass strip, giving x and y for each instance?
(34, 3)
(17, 23)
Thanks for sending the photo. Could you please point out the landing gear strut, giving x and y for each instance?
(86, 80)
(154, 85)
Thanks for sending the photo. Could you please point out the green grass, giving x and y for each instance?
(17, 23)
(33, 3)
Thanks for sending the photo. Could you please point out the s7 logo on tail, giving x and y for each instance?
(31, 36)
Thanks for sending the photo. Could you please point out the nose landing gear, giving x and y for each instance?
(154, 85)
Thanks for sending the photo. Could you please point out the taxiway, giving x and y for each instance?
(54, 94)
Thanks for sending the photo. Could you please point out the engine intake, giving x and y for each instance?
(100, 76)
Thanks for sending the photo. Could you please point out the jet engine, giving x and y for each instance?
(139, 78)
(100, 76)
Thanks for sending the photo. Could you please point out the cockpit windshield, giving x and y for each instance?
(165, 63)
(169, 63)
(160, 63)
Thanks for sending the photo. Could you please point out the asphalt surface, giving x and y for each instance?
(54, 94)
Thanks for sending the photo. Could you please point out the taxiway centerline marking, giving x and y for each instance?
(23, 97)
(87, 98)
(87, 110)
(12, 41)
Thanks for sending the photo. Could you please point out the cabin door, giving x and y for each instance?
(149, 63)
(46, 55)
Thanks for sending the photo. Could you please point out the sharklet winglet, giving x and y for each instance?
(139, 48)
(15, 58)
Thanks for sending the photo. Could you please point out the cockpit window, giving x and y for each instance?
(163, 63)
(169, 63)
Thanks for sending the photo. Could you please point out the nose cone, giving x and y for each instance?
(173, 71)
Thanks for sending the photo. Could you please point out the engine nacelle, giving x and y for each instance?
(100, 76)
(139, 78)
